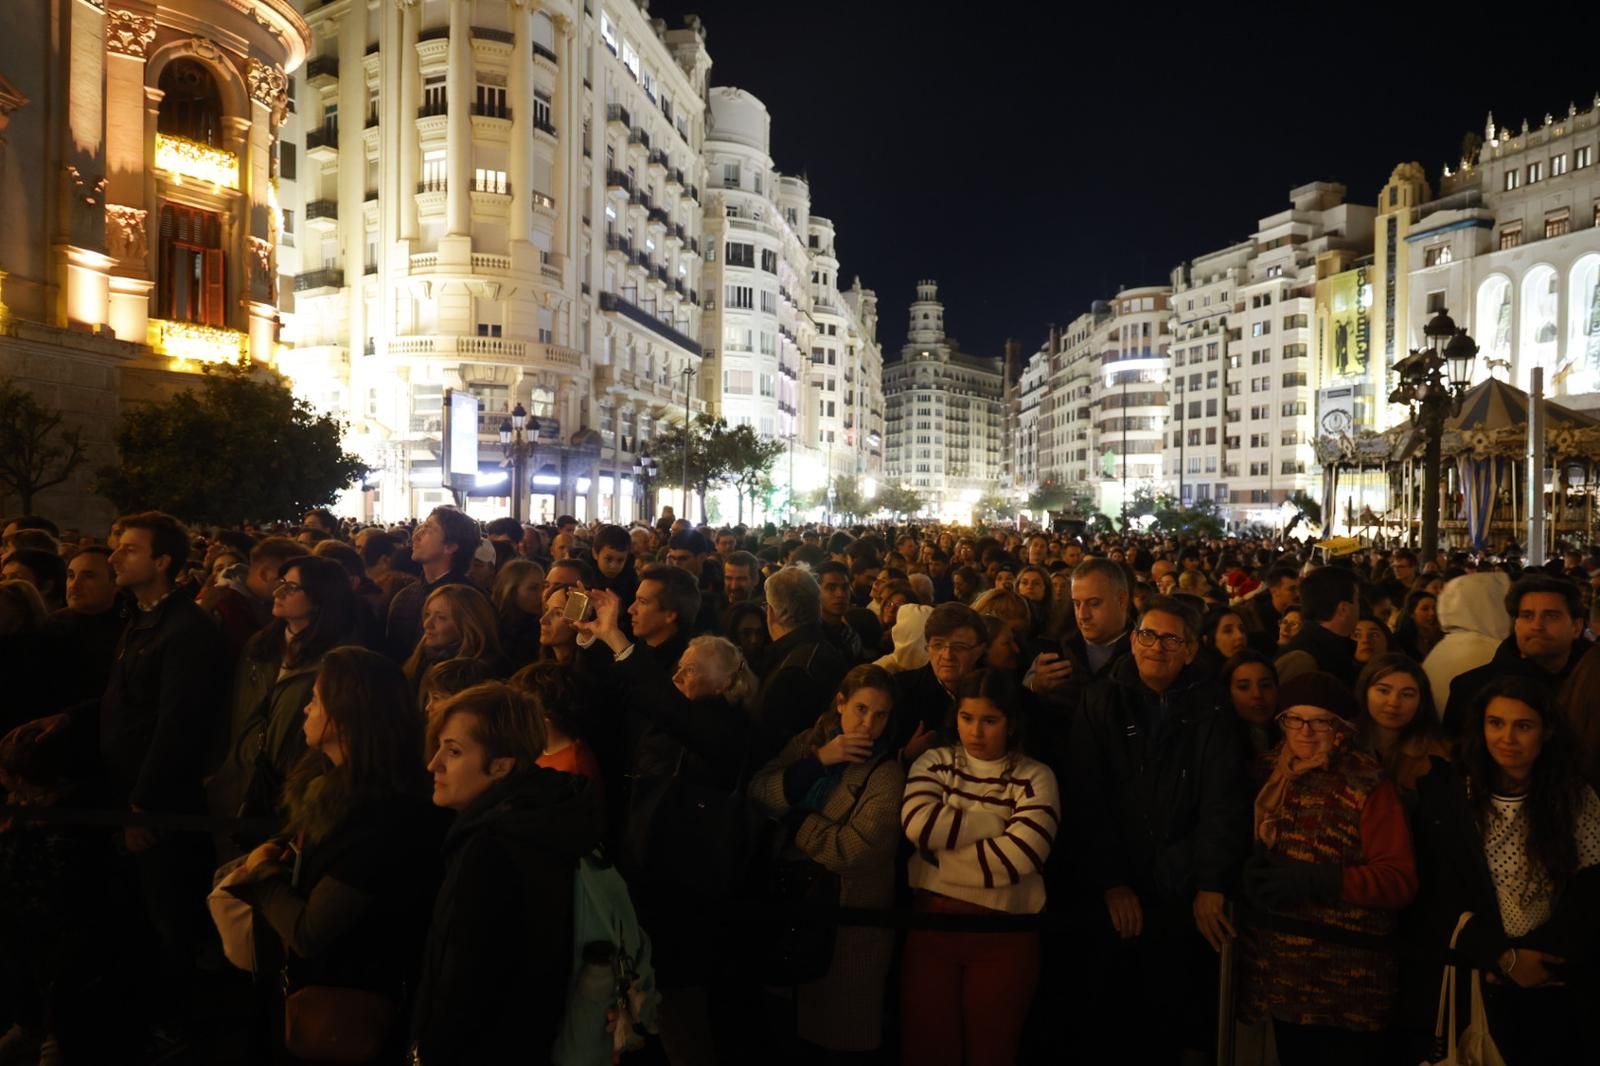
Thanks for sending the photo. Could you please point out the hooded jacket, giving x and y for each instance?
(1472, 613)
(499, 952)
(1155, 787)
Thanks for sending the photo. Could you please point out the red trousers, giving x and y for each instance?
(965, 996)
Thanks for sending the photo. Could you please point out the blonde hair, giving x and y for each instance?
(480, 636)
(1004, 603)
(742, 683)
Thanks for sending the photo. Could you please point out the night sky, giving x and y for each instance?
(1035, 157)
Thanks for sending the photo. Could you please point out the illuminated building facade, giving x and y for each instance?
(501, 196)
(138, 186)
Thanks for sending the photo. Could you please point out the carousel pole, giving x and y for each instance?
(1535, 547)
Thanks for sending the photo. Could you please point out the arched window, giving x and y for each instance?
(1539, 335)
(191, 104)
(1583, 331)
(1492, 325)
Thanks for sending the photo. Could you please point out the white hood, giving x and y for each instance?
(1476, 603)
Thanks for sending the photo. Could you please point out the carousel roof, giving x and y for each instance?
(1494, 405)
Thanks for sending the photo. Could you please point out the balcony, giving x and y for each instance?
(484, 33)
(616, 179)
(183, 158)
(618, 243)
(675, 177)
(434, 109)
(658, 158)
(542, 125)
(658, 217)
(537, 355)
(640, 138)
(611, 302)
(541, 52)
(328, 278)
(492, 110)
(322, 72)
(323, 144)
(619, 114)
(322, 214)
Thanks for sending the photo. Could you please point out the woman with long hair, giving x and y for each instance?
(982, 817)
(518, 599)
(1251, 681)
(1510, 834)
(1332, 847)
(836, 789)
(313, 612)
(457, 621)
(1393, 693)
(1222, 636)
(1372, 640)
(1418, 629)
(345, 889)
(1033, 585)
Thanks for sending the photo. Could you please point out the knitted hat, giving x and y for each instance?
(1318, 689)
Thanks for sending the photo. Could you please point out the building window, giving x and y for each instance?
(1294, 409)
(193, 269)
(288, 162)
(191, 103)
(730, 175)
(1535, 172)
(1438, 255)
(1513, 179)
(769, 302)
(608, 32)
(541, 113)
(1582, 157)
(491, 101)
(1294, 380)
(741, 297)
(435, 99)
(769, 261)
(1557, 223)
(1558, 165)
(1435, 301)
(1510, 236)
(741, 255)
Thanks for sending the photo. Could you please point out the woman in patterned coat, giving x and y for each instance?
(1332, 847)
(838, 787)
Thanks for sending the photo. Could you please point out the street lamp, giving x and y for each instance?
(1432, 381)
(516, 448)
(644, 470)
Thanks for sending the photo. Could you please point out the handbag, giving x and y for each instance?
(1475, 1046)
(329, 1023)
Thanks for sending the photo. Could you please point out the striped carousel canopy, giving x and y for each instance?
(1495, 405)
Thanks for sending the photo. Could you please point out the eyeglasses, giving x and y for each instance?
(939, 647)
(1148, 638)
(1296, 724)
(288, 588)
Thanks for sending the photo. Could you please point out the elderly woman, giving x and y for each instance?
(837, 788)
(1333, 848)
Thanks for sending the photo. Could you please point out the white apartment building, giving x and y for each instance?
(1512, 249)
(1025, 401)
(1068, 442)
(786, 353)
(1243, 382)
(944, 415)
(499, 196)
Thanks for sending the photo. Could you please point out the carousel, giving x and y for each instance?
(1484, 474)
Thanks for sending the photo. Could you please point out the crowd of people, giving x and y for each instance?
(396, 751)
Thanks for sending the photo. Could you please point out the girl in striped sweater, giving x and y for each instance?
(982, 817)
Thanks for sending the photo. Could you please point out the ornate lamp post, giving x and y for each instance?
(644, 470)
(517, 449)
(1432, 382)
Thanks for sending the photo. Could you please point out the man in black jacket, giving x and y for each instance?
(89, 628)
(1102, 608)
(925, 703)
(801, 670)
(1262, 611)
(1329, 598)
(1547, 622)
(1159, 807)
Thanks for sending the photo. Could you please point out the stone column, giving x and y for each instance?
(128, 205)
(404, 116)
(461, 80)
(564, 114)
(236, 232)
(519, 88)
(351, 187)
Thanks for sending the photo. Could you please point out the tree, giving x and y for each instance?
(1057, 498)
(36, 452)
(899, 500)
(1173, 517)
(709, 464)
(996, 506)
(241, 448)
(750, 458)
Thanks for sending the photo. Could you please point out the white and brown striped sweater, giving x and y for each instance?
(982, 829)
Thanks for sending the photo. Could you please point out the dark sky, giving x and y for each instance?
(1034, 157)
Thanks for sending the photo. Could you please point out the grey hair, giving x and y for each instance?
(1112, 572)
(730, 664)
(794, 597)
(1178, 609)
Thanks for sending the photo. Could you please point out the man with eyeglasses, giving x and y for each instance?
(1162, 826)
(924, 705)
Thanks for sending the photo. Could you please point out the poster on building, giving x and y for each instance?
(1347, 340)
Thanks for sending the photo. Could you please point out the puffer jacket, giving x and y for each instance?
(1156, 788)
(1472, 613)
(499, 953)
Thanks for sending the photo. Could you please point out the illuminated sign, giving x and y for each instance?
(1346, 326)
(183, 158)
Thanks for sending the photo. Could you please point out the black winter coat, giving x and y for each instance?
(1157, 791)
(799, 677)
(1332, 653)
(1507, 662)
(499, 952)
(162, 707)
